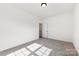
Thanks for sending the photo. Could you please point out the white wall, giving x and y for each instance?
(59, 27)
(76, 27)
(16, 27)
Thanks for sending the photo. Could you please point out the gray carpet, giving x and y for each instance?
(59, 48)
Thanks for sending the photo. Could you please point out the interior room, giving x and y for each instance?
(39, 29)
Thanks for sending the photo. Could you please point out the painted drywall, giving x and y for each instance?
(76, 27)
(59, 27)
(16, 27)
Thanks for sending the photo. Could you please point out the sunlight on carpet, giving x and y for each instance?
(36, 48)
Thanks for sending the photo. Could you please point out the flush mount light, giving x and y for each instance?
(43, 4)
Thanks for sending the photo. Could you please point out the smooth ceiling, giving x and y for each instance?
(51, 9)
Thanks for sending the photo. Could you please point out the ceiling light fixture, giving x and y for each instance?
(43, 4)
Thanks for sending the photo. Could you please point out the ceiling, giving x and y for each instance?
(52, 9)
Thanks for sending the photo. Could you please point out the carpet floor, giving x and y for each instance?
(42, 47)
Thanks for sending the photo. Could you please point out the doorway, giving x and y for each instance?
(40, 30)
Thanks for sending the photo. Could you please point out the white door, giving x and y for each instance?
(45, 30)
